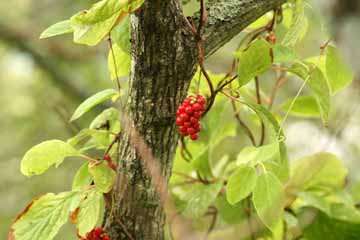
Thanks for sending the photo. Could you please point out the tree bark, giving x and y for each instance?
(164, 59)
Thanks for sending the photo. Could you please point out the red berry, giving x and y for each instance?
(189, 110)
(182, 129)
(184, 117)
(196, 126)
(98, 230)
(197, 114)
(179, 121)
(194, 120)
(187, 124)
(184, 134)
(112, 165)
(194, 136)
(187, 101)
(201, 100)
(106, 237)
(189, 114)
(196, 107)
(107, 158)
(191, 131)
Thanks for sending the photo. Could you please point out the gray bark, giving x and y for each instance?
(164, 60)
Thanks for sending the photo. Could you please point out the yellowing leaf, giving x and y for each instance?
(104, 177)
(89, 212)
(92, 25)
(338, 73)
(82, 178)
(42, 156)
(57, 29)
(44, 217)
(121, 66)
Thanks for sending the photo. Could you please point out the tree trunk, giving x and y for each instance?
(163, 63)
(164, 58)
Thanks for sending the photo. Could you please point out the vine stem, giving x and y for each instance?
(243, 124)
(114, 60)
(292, 104)
(322, 51)
(258, 100)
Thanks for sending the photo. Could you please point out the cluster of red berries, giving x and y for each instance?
(188, 116)
(97, 234)
(111, 165)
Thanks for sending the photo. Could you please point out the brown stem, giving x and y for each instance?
(258, 100)
(243, 125)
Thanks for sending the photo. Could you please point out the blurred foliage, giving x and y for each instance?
(36, 106)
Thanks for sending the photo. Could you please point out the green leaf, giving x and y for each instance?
(320, 88)
(345, 212)
(122, 60)
(240, 184)
(298, 26)
(201, 163)
(108, 116)
(321, 169)
(268, 200)
(57, 29)
(89, 212)
(91, 26)
(318, 84)
(262, 21)
(42, 156)
(314, 200)
(201, 198)
(323, 225)
(279, 165)
(104, 177)
(300, 69)
(92, 101)
(231, 214)
(79, 137)
(254, 155)
(253, 61)
(82, 178)
(355, 192)
(283, 54)
(338, 73)
(121, 35)
(43, 218)
(304, 106)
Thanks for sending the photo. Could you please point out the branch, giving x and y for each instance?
(49, 65)
(229, 17)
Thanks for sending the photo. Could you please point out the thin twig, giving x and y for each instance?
(115, 140)
(212, 224)
(248, 214)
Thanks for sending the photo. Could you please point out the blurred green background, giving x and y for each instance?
(42, 81)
